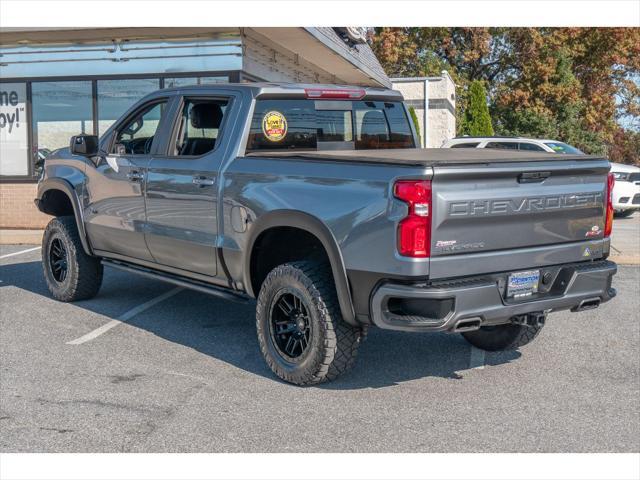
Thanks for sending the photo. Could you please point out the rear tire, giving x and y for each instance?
(502, 337)
(70, 273)
(301, 333)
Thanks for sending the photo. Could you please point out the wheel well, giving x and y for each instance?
(56, 202)
(279, 245)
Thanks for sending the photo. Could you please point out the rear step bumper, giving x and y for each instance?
(468, 304)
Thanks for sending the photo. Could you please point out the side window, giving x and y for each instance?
(465, 145)
(503, 145)
(532, 147)
(136, 136)
(199, 126)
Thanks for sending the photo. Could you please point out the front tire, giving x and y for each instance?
(70, 273)
(502, 337)
(301, 333)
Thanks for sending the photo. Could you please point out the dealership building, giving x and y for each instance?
(55, 83)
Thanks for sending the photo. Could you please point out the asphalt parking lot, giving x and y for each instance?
(185, 374)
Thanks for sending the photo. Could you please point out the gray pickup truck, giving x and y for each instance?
(316, 201)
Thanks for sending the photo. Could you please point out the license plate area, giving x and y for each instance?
(523, 284)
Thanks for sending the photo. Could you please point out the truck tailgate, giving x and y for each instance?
(495, 217)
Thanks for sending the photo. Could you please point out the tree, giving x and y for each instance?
(476, 118)
(579, 85)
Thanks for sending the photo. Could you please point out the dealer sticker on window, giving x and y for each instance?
(274, 126)
(522, 284)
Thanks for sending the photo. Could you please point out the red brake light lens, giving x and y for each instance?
(608, 219)
(414, 231)
(333, 93)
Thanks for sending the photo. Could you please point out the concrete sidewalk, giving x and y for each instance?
(625, 242)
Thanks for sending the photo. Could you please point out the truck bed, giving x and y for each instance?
(429, 157)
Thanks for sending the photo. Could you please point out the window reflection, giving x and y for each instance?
(59, 111)
(116, 96)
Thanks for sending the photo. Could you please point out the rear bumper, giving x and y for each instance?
(456, 305)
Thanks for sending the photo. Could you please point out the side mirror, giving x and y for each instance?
(84, 145)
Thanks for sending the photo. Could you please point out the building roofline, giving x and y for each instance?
(383, 80)
(444, 73)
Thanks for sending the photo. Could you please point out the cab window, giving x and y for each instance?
(198, 127)
(136, 136)
(298, 124)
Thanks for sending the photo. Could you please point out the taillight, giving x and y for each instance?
(608, 219)
(414, 231)
(341, 93)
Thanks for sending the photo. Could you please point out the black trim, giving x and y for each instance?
(304, 221)
(210, 289)
(67, 188)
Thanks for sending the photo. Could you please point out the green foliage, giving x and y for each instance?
(414, 118)
(577, 85)
(476, 120)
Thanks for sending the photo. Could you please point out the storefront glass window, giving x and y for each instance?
(60, 110)
(14, 150)
(184, 81)
(116, 96)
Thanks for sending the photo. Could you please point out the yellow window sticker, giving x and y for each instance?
(274, 126)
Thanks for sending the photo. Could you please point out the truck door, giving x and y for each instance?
(114, 209)
(182, 187)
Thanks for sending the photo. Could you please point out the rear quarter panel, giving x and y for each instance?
(354, 202)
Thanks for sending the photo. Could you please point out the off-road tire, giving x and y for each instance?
(502, 337)
(333, 344)
(84, 273)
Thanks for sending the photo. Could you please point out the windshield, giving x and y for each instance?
(319, 125)
(559, 147)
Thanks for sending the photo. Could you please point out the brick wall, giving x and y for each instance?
(17, 209)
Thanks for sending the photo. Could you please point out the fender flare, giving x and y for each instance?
(314, 226)
(67, 188)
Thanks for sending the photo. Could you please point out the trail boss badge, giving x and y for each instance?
(274, 126)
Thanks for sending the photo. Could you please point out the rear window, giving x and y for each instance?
(299, 125)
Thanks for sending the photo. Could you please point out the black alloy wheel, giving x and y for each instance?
(58, 260)
(290, 326)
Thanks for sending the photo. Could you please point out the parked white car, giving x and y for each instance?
(626, 191)
(512, 143)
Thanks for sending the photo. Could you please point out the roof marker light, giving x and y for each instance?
(335, 93)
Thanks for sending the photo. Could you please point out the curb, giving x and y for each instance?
(21, 237)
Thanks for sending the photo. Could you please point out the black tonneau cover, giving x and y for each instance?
(429, 157)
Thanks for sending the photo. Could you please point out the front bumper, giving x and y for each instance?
(465, 304)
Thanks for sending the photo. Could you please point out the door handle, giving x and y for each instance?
(203, 181)
(135, 176)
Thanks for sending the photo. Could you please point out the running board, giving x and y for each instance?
(179, 281)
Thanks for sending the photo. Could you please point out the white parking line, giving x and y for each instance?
(124, 317)
(476, 359)
(20, 252)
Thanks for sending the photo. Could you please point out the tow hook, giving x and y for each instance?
(533, 319)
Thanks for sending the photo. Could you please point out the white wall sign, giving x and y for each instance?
(14, 149)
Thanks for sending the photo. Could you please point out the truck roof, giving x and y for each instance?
(291, 90)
